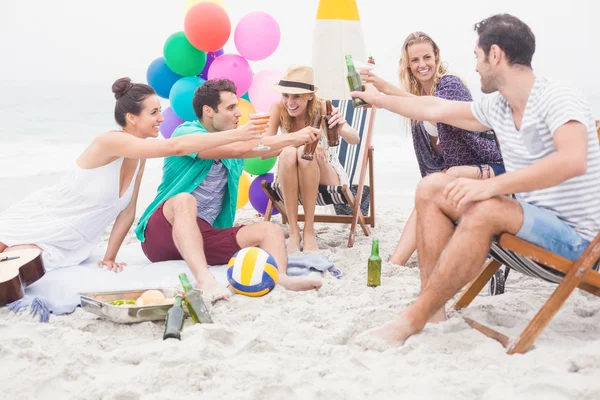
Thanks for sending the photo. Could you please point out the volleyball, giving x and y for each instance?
(252, 272)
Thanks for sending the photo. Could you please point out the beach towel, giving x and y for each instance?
(57, 292)
(307, 263)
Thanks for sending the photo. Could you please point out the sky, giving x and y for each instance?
(79, 41)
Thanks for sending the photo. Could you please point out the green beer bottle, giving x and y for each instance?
(174, 322)
(374, 268)
(354, 82)
(194, 302)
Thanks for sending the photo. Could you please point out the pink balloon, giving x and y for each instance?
(257, 36)
(261, 92)
(234, 68)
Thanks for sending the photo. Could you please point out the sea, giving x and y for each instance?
(44, 127)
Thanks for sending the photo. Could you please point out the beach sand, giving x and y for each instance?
(290, 345)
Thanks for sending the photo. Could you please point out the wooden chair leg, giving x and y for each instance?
(352, 203)
(357, 216)
(469, 294)
(372, 186)
(557, 299)
(269, 210)
(489, 332)
(356, 212)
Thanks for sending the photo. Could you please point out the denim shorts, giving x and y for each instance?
(544, 229)
(498, 168)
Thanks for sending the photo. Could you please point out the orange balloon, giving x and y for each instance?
(243, 190)
(246, 108)
(207, 26)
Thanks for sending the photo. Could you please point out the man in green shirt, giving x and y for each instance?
(192, 216)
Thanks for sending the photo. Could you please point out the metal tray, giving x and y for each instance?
(97, 303)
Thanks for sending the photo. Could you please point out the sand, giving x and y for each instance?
(290, 345)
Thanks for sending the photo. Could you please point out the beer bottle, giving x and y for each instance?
(374, 268)
(333, 134)
(174, 322)
(194, 302)
(354, 82)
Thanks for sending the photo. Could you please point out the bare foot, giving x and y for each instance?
(310, 241)
(211, 290)
(293, 243)
(394, 332)
(439, 316)
(299, 283)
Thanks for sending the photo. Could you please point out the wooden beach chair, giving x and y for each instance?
(354, 204)
(534, 261)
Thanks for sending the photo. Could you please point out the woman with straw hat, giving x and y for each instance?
(299, 108)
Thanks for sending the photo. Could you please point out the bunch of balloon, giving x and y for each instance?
(189, 56)
(196, 54)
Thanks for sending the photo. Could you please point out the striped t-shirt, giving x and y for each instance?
(550, 105)
(211, 192)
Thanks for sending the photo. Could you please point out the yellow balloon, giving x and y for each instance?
(243, 190)
(245, 108)
(191, 3)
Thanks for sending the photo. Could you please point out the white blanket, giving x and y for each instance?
(58, 290)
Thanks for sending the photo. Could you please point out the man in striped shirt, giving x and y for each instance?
(552, 158)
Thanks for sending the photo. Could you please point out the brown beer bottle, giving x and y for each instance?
(309, 149)
(333, 134)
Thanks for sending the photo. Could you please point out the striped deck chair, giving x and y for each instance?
(534, 261)
(531, 260)
(347, 201)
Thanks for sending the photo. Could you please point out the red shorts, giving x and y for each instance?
(219, 244)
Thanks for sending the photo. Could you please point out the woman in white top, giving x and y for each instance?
(298, 109)
(66, 221)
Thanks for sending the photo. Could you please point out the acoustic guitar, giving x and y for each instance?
(19, 269)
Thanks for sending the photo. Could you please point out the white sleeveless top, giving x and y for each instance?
(67, 220)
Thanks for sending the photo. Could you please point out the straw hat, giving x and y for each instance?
(297, 80)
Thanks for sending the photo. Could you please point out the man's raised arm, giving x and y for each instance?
(425, 108)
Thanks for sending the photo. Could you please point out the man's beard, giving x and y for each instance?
(489, 85)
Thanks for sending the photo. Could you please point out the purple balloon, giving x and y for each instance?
(171, 122)
(210, 57)
(257, 196)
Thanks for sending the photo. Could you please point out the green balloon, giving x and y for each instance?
(256, 166)
(183, 58)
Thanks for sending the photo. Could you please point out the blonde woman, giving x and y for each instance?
(438, 147)
(298, 109)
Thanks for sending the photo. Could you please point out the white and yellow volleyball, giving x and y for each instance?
(252, 272)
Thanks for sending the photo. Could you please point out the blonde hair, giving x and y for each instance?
(407, 79)
(313, 107)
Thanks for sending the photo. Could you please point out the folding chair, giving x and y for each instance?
(534, 261)
(354, 204)
(537, 262)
